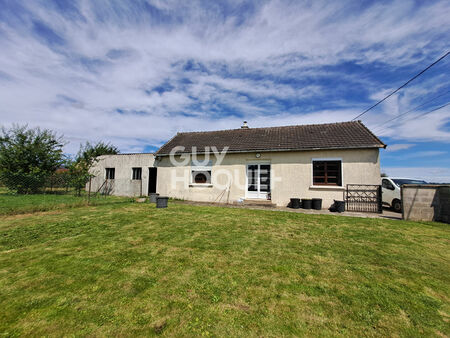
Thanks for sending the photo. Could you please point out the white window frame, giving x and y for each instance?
(203, 169)
(336, 187)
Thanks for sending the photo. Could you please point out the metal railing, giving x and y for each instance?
(363, 198)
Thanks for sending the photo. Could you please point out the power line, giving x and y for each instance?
(428, 112)
(411, 110)
(403, 85)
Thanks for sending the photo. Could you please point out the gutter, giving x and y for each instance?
(275, 150)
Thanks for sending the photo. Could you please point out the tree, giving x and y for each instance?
(85, 159)
(384, 175)
(28, 157)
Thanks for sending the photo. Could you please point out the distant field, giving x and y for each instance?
(11, 204)
(130, 269)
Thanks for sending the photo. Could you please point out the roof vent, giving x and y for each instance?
(244, 125)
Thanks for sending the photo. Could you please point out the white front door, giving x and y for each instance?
(258, 180)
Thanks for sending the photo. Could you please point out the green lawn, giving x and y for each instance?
(12, 204)
(131, 269)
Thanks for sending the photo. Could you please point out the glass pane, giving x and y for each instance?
(137, 173)
(252, 172)
(264, 177)
(333, 166)
(201, 177)
(319, 165)
(319, 180)
(332, 179)
(110, 173)
(318, 168)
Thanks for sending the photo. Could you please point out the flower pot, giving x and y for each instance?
(306, 203)
(161, 202)
(152, 197)
(317, 203)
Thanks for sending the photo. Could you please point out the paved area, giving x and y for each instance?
(387, 213)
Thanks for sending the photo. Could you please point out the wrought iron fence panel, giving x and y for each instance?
(363, 198)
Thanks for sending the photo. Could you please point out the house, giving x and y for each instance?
(124, 174)
(277, 163)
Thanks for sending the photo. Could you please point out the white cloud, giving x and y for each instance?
(429, 174)
(426, 153)
(108, 64)
(399, 146)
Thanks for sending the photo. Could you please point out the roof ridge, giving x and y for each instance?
(287, 126)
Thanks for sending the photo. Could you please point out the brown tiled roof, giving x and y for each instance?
(344, 135)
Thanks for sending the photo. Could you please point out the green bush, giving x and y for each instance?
(28, 157)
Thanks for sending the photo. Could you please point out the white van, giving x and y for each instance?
(391, 190)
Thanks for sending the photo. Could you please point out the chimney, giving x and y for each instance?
(244, 125)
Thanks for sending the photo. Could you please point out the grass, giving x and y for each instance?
(13, 204)
(132, 269)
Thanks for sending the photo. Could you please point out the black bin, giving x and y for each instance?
(306, 203)
(317, 203)
(295, 203)
(152, 197)
(340, 206)
(161, 202)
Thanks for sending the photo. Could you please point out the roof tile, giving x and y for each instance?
(343, 135)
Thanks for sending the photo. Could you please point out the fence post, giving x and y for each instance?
(89, 190)
(380, 199)
(346, 198)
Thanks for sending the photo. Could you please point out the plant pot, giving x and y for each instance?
(152, 197)
(295, 203)
(317, 203)
(161, 202)
(306, 203)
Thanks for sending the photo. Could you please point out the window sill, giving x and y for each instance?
(193, 185)
(327, 187)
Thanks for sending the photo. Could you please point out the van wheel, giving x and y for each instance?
(397, 205)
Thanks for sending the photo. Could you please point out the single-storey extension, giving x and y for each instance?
(124, 174)
(277, 163)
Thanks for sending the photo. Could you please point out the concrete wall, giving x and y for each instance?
(426, 202)
(123, 185)
(291, 176)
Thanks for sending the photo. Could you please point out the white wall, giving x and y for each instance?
(292, 169)
(123, 185)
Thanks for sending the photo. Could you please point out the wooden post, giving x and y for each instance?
(89, 190)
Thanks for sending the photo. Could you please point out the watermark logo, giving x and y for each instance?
(184, 157)
(207, 168)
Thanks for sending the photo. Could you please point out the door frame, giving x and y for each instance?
(257, 194)
(151, 177)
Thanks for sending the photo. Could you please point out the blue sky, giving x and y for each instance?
(136, 72)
